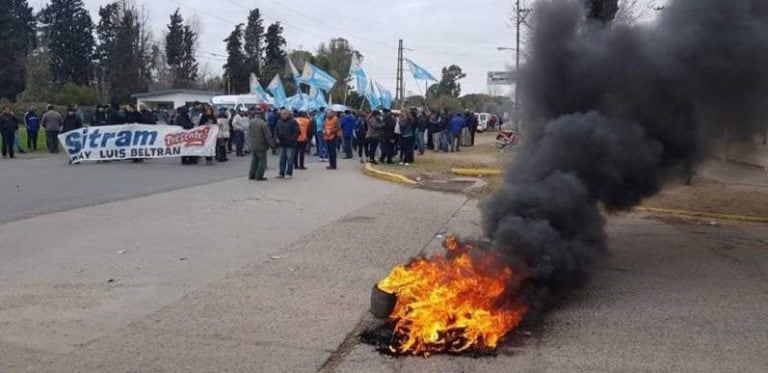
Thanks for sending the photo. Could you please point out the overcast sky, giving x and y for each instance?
(436, 33)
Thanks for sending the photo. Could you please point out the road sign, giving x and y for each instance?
(501, 78)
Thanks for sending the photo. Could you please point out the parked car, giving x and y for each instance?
(482, 121)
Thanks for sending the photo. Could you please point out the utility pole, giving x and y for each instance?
(400, 90)
(517, 64)
(520, 14)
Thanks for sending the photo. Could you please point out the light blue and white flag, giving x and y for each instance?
(316, 77)
(296, 75)
(419, 73)
(361, 81)
(317, 98)
(372, 96)
(278, 91)
(257, 89)
(356, 67)
(384, 96)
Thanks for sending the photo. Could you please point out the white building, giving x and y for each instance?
(172, 98)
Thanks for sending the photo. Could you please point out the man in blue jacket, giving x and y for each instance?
(322, 148)
(457, 125)
(32, 122)
(348, 124)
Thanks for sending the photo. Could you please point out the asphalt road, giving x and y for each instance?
(242, 276)
(31, 187)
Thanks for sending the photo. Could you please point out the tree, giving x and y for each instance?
(449, 84)
(336, 58)
(180, 45)
(602, 10)
(38, 87)
(68, 34)
(274, 52)
(254, 42)
(124, 51)
(17, 38)
(236, 70)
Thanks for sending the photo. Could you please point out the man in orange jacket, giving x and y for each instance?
(301, 143)
(331, 134)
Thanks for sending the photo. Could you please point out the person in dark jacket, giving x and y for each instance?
(361, 128)
(348, 123)
(71, 120)
(407, 124)
(32, 122)
(272, 117)
(421, 128)
(131, 115)
(458, 123)
(286, 134)
(472, 124)
(182, 120)
(388, 139)
(8, 126)
(99, 117)
(433, 130)
(146, 116)
(116, 115)
(374, 135)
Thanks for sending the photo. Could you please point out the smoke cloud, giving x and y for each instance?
(611, 113)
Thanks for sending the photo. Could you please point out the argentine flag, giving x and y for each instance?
(296, 75)
(316, 77)
(278, 91)
(257, 89)
(373, 98)
(419, 73)
(385, 96)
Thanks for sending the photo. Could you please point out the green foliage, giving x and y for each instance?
(449, 84)
(414, 101)
(274, 59)
(124, 52)
(180, 52)
(236, 70)
(254, 42)
(452, 104)
(17, 32)
(68, 34)
(335, 58)
(71, 93)
(39, 87)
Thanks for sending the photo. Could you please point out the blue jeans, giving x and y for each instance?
(286, 160)
(322, 147)
(445, 138)
(420, 141)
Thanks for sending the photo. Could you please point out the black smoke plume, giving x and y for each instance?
(611, 113)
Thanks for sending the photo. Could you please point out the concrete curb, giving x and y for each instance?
(699, 214)
(388, 176)
(474, 172)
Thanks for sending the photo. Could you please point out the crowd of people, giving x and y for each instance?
(378, 136)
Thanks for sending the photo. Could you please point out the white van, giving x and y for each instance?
(482, 121)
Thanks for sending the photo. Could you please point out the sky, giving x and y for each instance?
(435, 33)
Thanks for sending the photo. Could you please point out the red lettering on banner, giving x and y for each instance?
(195, 137)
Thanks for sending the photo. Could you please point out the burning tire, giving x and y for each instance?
(382, 303)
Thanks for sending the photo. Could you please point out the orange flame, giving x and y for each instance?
(452, 303)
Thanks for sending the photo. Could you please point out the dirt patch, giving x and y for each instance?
(713, 197)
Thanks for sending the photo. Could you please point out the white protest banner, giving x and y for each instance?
(129, 141)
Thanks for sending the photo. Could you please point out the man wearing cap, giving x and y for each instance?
(261, 141)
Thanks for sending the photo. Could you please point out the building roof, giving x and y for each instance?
(175, 92)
